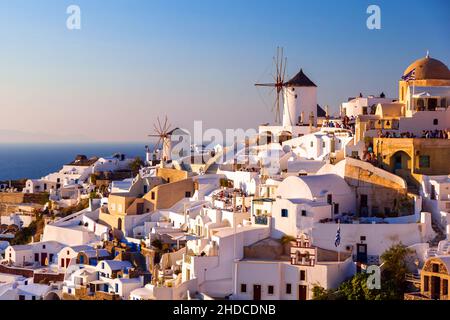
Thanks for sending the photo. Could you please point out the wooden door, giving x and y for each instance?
(435, 288)
(302, 292)
(43, 258)
(256, 292)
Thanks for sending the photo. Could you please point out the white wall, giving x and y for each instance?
(379, 237)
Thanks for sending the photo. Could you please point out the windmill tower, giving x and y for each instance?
(298, 95)
(163, 134)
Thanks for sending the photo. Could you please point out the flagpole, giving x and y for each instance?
(339, 251)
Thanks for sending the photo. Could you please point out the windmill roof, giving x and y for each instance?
(177, 130)
(301, 80)
(321, 112)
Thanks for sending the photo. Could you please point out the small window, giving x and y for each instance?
(426, 283)
(303, 213)
(362, 238)
(435, 122)
(68, 252)
(243, 287)
(270, 289)
(284, 213)
(117, 287)
(435, 268)
(302, 275)
(153, 195)
(312, 144)
(33, 297)
(445, 287)
(187, 194)
(43, 246)
(288, 288)
(295, 96)
(424, 161)
(329, 198)
(323, 144)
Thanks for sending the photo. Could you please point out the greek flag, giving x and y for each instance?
(337, 241)
(410, 75)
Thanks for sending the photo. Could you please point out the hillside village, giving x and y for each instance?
(339, 192)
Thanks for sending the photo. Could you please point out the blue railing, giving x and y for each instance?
(261, 220)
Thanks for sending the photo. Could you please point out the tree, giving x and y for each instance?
(320, 293)
(157, 244)
(393, 283)
(356, 289)
(394, 270)
(136, 165)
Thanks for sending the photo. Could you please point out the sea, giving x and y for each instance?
(33, 161)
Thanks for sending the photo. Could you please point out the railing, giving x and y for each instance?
(411, 277)
(261, 220)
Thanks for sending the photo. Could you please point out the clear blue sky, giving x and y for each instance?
(196, 60)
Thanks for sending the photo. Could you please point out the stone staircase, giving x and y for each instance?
(439, 244)
(440, 234)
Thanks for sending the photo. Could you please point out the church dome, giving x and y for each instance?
(429, 68)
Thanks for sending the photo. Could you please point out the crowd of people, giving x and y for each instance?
(345, 123)
(435, 134)
(426, 134)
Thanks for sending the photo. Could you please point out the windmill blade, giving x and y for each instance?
(157, 130)
(281, 64)
(265, 84)
(165, 124)
(168, 129)
(157, 144)
(278, 60)
(159, 126)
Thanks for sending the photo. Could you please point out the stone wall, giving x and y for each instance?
(28, 273)
(46, 278)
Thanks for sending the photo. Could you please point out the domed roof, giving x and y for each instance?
(429, 68)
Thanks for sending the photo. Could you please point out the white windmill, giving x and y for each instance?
(163, 134)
